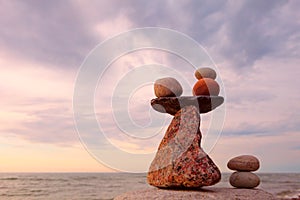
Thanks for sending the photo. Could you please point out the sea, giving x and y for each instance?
(106, 186)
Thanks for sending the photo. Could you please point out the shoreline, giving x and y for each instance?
(284, 186)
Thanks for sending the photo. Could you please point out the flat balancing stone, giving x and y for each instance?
(172, 105)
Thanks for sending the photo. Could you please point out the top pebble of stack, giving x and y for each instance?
(205, 72)
(243, 163)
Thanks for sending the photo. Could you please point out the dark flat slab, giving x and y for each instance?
(173, 104)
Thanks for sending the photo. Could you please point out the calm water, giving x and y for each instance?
(31, 186)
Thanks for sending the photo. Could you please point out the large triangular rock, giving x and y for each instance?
(180, 162)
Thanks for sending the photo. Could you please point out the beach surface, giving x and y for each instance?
(208, 194)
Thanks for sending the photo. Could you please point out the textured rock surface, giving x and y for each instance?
(243, 163)
(244, 180)
(206, 86)
(172, 105)
(180, 162)
(207, 194)
(167, 87)
(205, 72)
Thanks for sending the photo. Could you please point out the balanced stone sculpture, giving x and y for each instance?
(181, 167)
(180, 162)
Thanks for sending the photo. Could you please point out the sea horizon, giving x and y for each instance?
(108, 185)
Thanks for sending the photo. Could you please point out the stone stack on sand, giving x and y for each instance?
(244, 166)
(180, 162)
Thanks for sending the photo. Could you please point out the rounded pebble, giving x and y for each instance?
(206, 86)
(243, 163)
(205, 72)
(167, 87)
(244, 180)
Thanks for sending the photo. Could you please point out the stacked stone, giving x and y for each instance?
(206, 84)
(180, 162)
(167, 87)
(205, 93)
(244, 166)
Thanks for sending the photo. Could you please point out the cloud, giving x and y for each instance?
(111, 27)
(274, 152)
(46, 32)
(63, 33)
(58, 33)
(44, 124)
(265, 100)
(36, 102)
(247, 30)
(254, 43)
(244, 32)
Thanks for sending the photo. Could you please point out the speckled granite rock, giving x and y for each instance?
(207, 194)
(172, 105)
(180, 161)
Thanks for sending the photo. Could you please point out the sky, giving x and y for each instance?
(255, 47)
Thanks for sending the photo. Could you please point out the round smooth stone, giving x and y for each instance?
(167, 87)
(206, 86)
(243, 163)
(205, 72)
(244, 180)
